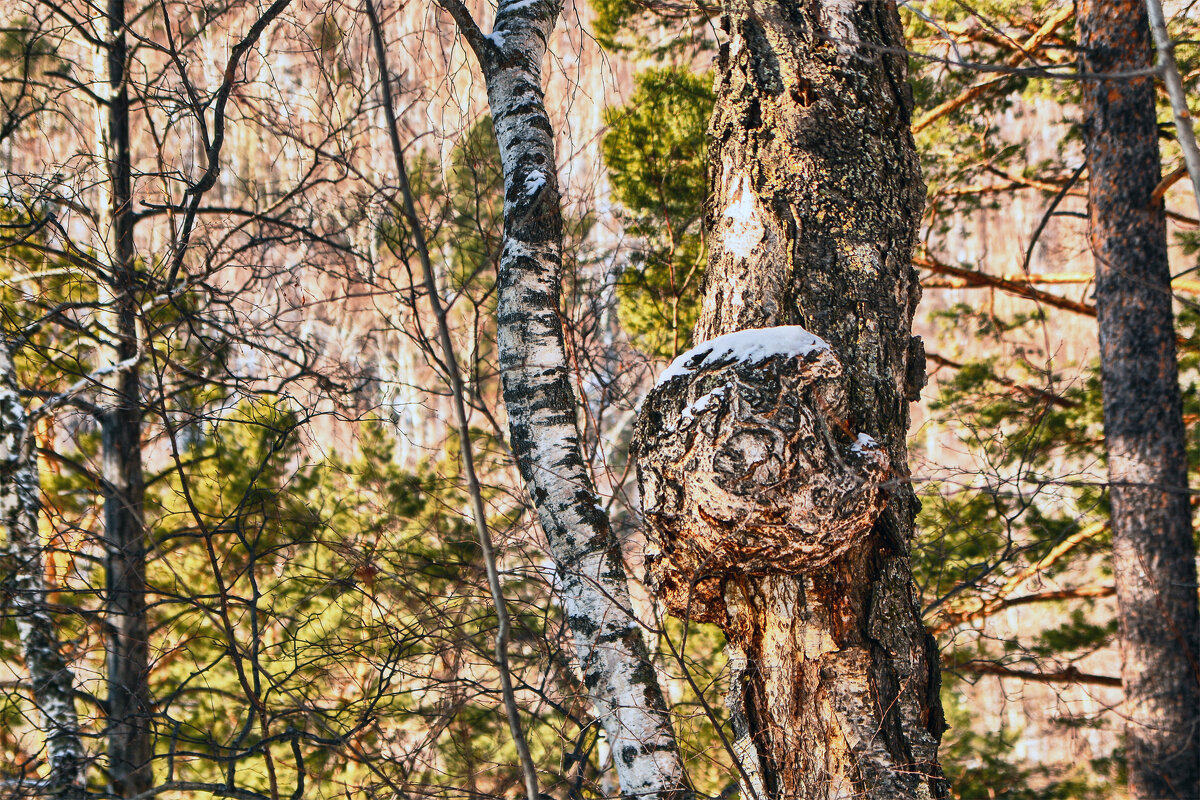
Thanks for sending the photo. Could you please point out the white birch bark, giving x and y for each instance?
(49, 674)
(542, 407)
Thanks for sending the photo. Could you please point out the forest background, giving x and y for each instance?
(316, 614)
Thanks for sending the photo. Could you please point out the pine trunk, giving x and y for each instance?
(1153, 549)
(51, 678)
(542, 407)
(129, 707)
(775, 479)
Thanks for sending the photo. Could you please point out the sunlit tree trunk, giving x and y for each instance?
(1153, 549)
(51, 678)
(774, 472)
(542, 406)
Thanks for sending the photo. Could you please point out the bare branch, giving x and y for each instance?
(478, 512)
(480, 44)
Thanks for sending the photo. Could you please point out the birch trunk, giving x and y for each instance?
(773, 467)
(51, 678)
(542, 407)
(129, 707)
(1154, 554)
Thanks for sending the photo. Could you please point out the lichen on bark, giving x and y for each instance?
(541, 406)
(51, 677)
(815, 197)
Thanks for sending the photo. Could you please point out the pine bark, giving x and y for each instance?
(127, 655)
(1153, 549)
(814, 203)
(51, 677)
(542, 407)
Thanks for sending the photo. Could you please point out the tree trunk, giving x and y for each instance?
(129, 706)
(542, 407)
(51, 678)
(773, 464)
(1153, 550)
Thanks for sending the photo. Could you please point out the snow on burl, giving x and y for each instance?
(748, 464)
(750, 346)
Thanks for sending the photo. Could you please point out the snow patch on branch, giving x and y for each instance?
(517, 6)
(703, 404)
(751, 346)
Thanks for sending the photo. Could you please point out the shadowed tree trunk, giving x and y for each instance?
(772, 463)
(542, 407)
(1153, 550)
(50, 677)
(129, 707)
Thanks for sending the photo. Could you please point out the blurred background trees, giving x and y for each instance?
(249, 315)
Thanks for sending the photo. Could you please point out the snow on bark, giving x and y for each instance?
(751, 346)
(50, 676)
(743, 230)
(747, 466)
(769, 500)
(542, 406)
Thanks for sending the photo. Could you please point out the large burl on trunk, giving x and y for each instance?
(772, 458)
(754, 470)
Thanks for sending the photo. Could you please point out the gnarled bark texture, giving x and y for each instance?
(542, 407)
(50, 676)
(814, 203)
(1153, 550)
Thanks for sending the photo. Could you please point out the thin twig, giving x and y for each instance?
(1170, 76)
(460, 414)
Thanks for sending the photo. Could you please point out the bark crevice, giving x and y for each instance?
(815, 197)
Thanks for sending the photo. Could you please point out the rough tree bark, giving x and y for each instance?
(129, 708)
(773, 463)
(1153, 550)
(51, 678)
(542, 406)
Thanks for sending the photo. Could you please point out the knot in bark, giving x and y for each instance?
(747, 465)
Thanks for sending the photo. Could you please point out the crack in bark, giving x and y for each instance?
(814, 203)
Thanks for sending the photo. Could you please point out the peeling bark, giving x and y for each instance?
(50, 676)
(542, 407)
(1154, 554)
(814, 203)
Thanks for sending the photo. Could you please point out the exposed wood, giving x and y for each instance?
(814, 203)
